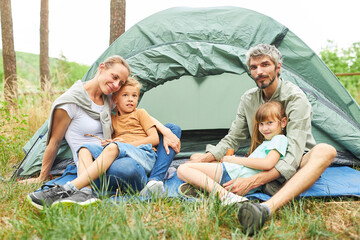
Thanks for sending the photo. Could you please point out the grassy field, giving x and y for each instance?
(159, 219)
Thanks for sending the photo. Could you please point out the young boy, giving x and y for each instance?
(133, 142)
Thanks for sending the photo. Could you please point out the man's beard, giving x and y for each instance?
(265, 85)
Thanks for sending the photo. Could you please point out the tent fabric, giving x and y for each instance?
(334, 182)
(211, 42)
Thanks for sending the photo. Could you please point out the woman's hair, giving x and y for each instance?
(115, 59)
(129, 82)
(269, 110)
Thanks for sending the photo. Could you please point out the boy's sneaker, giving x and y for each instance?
(252, 217)
(153, 189)
(82, 198)
(47, 197)
(190, 191)
(231, 198)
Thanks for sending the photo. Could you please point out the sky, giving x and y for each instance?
(79, 29)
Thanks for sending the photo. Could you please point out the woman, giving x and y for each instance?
(85, 109)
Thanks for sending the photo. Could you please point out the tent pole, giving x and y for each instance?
(19, 164)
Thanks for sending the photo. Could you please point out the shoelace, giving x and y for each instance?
(54, 191)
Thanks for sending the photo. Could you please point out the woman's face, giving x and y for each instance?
(111, 79)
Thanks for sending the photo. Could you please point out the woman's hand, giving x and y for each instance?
(106, 141)
(32, 181)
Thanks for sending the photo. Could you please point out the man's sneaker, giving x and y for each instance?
(190, 191)
(48, 196)
(252, 217)
(153, 189)
(82, 198)
(231, 198)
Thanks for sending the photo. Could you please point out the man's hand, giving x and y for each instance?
(202, 157)
(171, 140)
(239, 186)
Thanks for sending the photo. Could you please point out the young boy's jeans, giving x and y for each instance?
(127, 174)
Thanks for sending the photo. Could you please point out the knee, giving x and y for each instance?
(83, 151)
(181, 170)
(112, 148)
(129, 173)
(327, 151)
(174, 128)
(124, 168)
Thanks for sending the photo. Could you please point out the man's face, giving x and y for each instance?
(263, 71)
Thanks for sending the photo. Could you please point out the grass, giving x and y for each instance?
(158, 219)
(171, 219)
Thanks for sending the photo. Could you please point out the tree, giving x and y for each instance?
(344, 61)
(9, 57)
(117, 19)
(44, 46)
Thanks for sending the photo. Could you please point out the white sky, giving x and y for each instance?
(79, 29)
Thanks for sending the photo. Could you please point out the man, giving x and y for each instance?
(297, 170)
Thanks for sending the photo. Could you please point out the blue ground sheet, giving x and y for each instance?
(334, 182)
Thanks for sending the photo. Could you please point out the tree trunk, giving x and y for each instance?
(9, 57)
(117, 19)
(44, 47)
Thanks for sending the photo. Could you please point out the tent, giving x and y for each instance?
(191, 62)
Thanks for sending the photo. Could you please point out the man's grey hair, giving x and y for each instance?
(262, 50)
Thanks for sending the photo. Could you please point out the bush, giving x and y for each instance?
(344, 61)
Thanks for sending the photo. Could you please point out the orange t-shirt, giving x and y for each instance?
(132, 126)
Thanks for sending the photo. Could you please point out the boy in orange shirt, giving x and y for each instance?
(133, 143)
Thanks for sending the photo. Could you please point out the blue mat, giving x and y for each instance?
(334, 182)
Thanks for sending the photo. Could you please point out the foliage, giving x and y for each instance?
(13, 129)
(344, 61)
(63, 73)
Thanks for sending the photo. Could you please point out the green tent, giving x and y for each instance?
(191, 62)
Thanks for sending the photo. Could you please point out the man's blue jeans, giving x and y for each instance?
(126, 174)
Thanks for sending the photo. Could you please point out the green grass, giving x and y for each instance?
(160, 219)
(171, 219)
(63, 73)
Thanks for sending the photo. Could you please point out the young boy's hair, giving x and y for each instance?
(270, 110)
(129, 82)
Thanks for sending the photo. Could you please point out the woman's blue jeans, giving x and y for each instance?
(127, 175)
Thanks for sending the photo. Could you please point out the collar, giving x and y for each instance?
(275, 94)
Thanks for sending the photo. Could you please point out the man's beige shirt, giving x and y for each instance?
(299, 114)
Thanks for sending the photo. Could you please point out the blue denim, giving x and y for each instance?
(124, 173)
(142, 154)
(224, 176)
(163, 161)
(128, 175)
